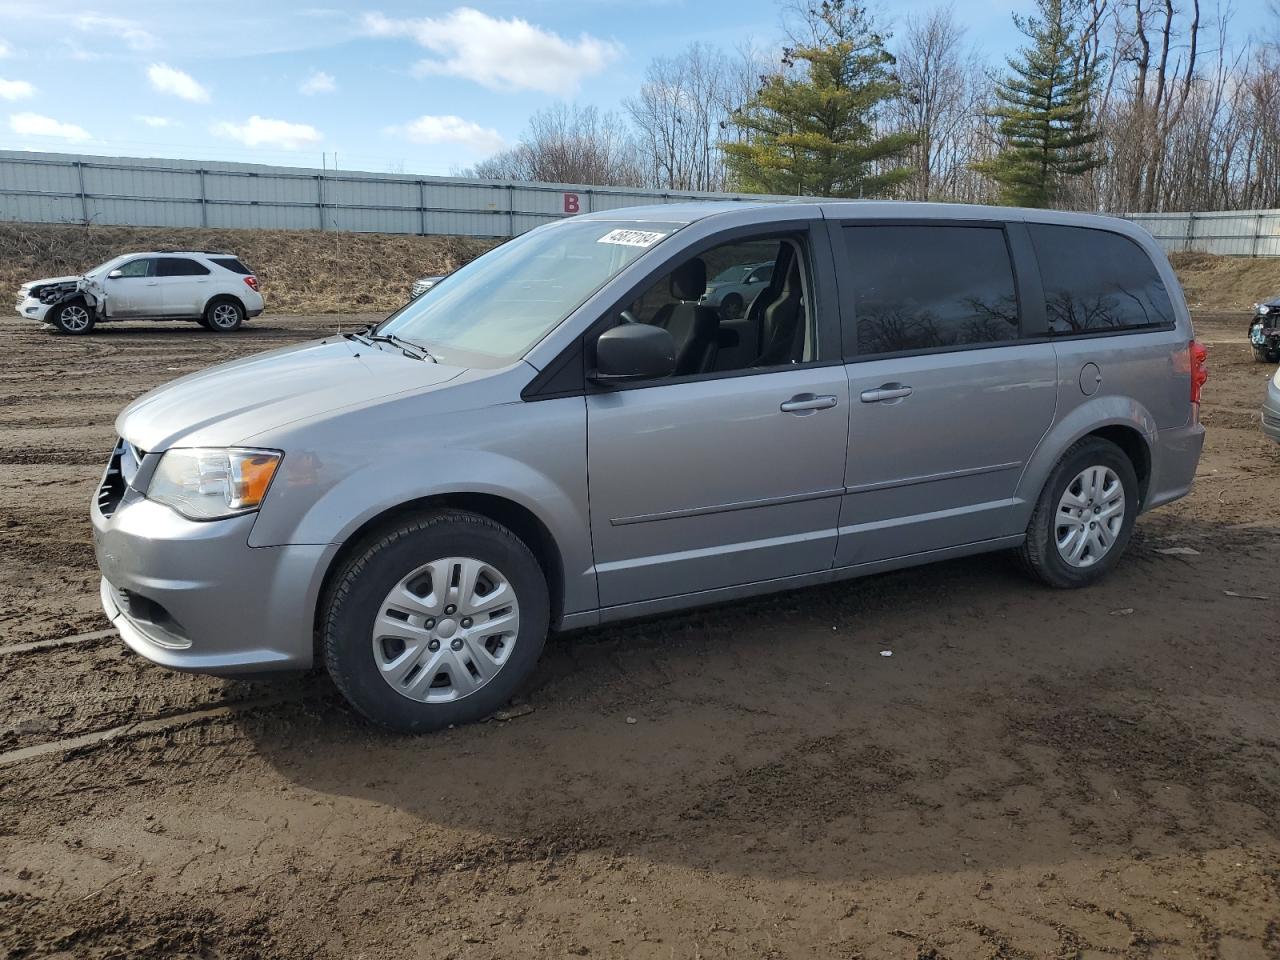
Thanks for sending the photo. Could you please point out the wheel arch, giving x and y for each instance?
(516, 517)
(1122, 421)
(219, 297)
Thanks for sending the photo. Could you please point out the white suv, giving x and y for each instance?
(213, 288)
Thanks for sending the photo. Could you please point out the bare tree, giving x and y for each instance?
(936, 75)
(569, 144)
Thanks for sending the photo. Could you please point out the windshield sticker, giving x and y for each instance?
(631, 238)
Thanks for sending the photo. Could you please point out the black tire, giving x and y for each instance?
(1260, 354)
(354, 600)
(1039, 555)
(74, 318)
(223, 315)
(731, 307)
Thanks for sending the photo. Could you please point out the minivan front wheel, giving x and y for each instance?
(1084, 517)
(437, 621)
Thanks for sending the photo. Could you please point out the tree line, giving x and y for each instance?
(1114, 105)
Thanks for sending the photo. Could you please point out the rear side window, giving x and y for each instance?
(232, 264)
(180, 267)
(926, 287)
(1095, 280)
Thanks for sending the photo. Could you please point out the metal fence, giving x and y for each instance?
(1238, 233)
(64, 188)
(67, 188)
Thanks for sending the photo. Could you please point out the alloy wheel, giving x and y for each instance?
(74, 318)
(224, 316)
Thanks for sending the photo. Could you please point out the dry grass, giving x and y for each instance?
(1226, 284)
(304, 271)
(300, 271)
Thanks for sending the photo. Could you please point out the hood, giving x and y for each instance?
(230, 403)
(30, 284)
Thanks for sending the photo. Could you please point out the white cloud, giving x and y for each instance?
(499, 54)
(127, 30)
(450, 129)
(153, 121)
(168, 80)
(35, 125)
(15, 89)
(5, 50)
(318, 82)
(264, 132)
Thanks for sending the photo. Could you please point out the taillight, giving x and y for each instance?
(252, 282)
(1198, 356)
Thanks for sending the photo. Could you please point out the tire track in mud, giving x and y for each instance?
(137, 728)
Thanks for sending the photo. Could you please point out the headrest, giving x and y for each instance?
(689, 280)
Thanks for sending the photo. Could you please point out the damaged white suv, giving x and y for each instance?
(213, 288)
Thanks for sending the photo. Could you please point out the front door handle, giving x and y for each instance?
(887, 391)
(802, 402)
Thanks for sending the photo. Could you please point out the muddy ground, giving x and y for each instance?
(1030, 774)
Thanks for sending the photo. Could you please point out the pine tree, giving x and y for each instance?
(810, 129)
(1044, 112)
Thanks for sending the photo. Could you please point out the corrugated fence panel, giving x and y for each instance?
(135, 191)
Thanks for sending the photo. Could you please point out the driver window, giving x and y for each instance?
(136, 268)
(735, 307)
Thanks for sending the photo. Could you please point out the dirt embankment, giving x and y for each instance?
(1226, 284)
(306, 271)
(300, 270)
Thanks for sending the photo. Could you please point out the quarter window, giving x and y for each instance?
(1098, 280)
(926, 287)
(180, 267)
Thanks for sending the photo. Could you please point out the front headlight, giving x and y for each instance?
(1262, 309)
(204, 483)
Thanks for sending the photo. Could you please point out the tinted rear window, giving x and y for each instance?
(232, 264)
(930, 287)
(179, 267)
(1098, 280)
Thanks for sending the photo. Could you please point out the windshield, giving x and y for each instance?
(490, 312)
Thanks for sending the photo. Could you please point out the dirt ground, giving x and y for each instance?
(1030, 774)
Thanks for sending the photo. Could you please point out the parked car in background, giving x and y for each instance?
(1271, 408)
(213, 288)
(732, 291)
(1264, 331)
(422, 285)
(564, 435)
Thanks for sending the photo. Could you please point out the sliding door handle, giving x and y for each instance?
(887, 391)
(803, 402)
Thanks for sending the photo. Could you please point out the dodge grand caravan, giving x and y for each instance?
(563, 434)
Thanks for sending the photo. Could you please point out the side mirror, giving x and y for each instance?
(115, 274)
(634, 351)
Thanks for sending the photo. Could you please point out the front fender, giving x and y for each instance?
(532, 454)
(1087, 418)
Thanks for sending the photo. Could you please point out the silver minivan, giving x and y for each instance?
(565, 434)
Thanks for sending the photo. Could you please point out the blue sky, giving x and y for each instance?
(419, 87)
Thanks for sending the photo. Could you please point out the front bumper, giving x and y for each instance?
(195, 596)
(1271, 411)
(30, 308)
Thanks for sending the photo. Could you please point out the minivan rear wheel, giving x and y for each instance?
(1084, 517)
(436, 621)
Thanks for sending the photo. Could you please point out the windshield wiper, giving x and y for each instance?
(407, 347)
